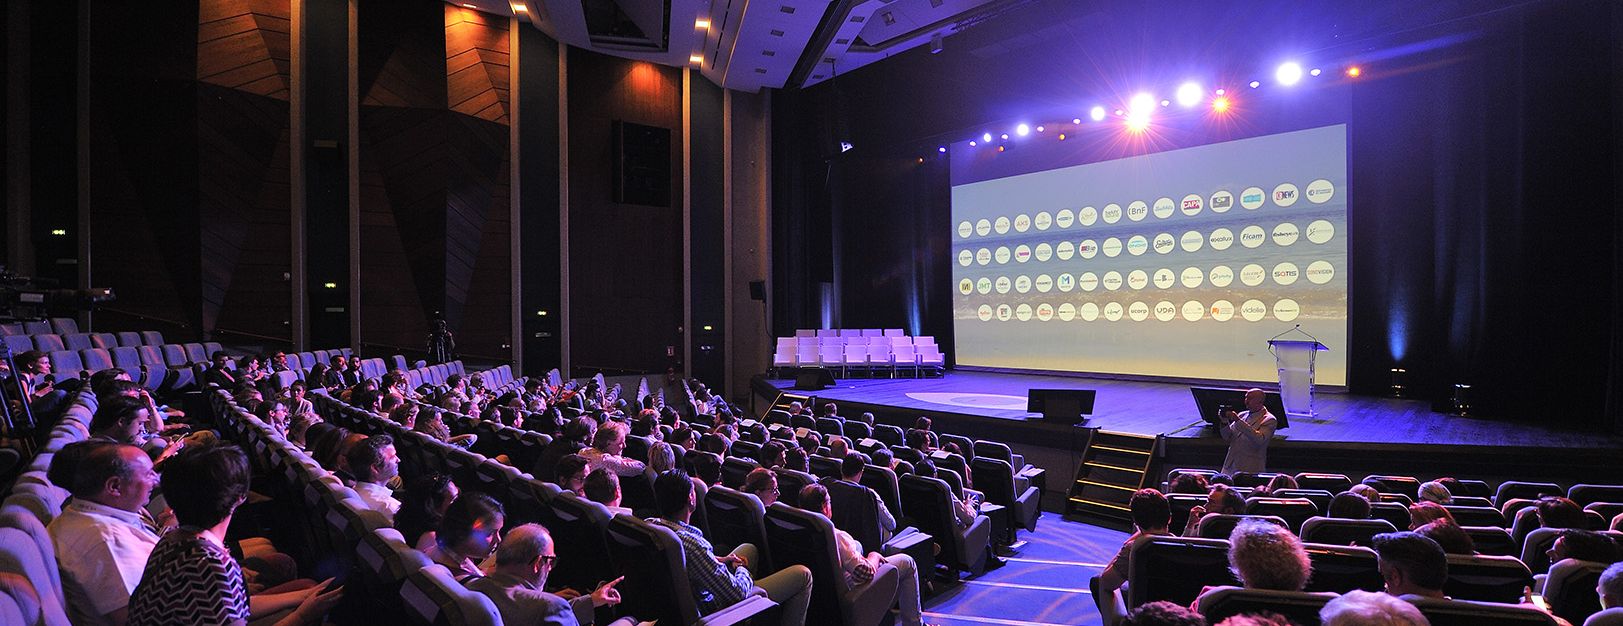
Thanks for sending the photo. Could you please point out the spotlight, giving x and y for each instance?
(696, 59)
(1142, 102)
(1076, 120)
(1220, 92)
(1313, 72)
(1004, 136)
(701, 24)
(1040, 129)
(942, 149)
(1220, 104)
(1397, 381)
(986, 137)
(1021, 130)
(1354, 71)
(972, 143)
(1096, 113)
(1255, 84)
(1062, 136)
(1289, 73)
(1000, 148)
(920, 160)
(1137, 122)
(1189, 94)
(1166, 103)
(1118, 112)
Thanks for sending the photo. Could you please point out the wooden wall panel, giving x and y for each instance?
(476, 64)
(245, 45)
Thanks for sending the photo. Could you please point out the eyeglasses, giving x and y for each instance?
(549, 559)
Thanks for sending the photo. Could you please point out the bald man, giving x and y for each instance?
(1248, 434)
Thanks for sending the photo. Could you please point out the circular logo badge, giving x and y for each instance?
(1002, 255)
(1286, 310)
(985, 312)
(984, 285)
(1164, 208)
(1253, 310)
(1112, 213)
(1067, 312)
(1286, 234)
(1191, 205)
(1089, 311)
(1043, 251)
(1137, 210)
(1163, 278)
(965, 229)
(1064, 218)
(1285, 194)
(1252, 236)
(1137, 245)
(1044, 283)
(1087, 248)
(1220, 276)
(1004, 284)
(1022, 283)
(983, 227)
(1111, 247)
(1065, 250)
(1043, 220)
(1163, 243)
(966, 286)
(1138, 311)
(1022, 312)
(1320, 191)
(1320, 272)
(1087, 216)
(1191, 277)
(1191, 241)
(1222, 201)
(1088, 281)
(1022, 223)
(1320, 231)
(1137, 279)
(1221, 239)
(1065, 282)
(1193, 311)
(1004, 312)
(965, 257)
(1165, 311)
(1045, 312)
(1112, 280)
(983, 256)
(1001, 225)
(1286, 273)
(1222, 310)
(1113, 311)
(1252, 198)
(1022, 253)
(1252, 275)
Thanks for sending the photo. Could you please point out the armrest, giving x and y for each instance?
(867, 604)
(743, 610)
(903, 541)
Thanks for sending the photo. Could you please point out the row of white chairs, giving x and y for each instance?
(849, 332)
(873, 342)
(852, 358)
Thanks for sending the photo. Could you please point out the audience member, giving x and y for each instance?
(571, 472)
(838, 447)
(1369, 493)
(576, 435)
(1348, 505)
(603, 487)
(797, 460)
(1411, 564)
(763, 484)
(1281, 481)
(1434, 491)
(1448, 535)
(1222, 499)
(1370, 608)
(607, 446)
(219, 372)
(1559, 512)
(1221, 478)
(1263, 555)
(298, 404)
(860, 566)
(1189, 483)
(661, 456)
(1422, 513)
(963, 512)
(721, 581)
(432, 423)
(274, 414)
(104, 535)
(1260, 618)
(1151, 515)
(772, 454)
(469, 531)
(707, 469)
(1162, 613)
(423, 506)
(123, 419)
(516, 584)
(373, 462)
(1610, 587)
(1584, 545)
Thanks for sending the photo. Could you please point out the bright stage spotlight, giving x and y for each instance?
(972, 143)
(1076, 120)
(1354, 71)
(1220, 104)
(1314, 72)
(1141, 102)
(1021, 130)
(987, 137)
(1255, 84)
(1096, 113)
(1189, 94)
(1041, 129)
(942, 149)
(1289, 73)
(1004, 136)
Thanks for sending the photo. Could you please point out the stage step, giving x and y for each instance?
(1114, 465)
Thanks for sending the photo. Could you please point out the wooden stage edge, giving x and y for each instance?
(1354, 435)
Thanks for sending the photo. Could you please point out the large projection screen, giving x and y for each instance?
(1177, 264)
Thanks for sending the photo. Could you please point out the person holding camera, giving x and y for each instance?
(1248, 434)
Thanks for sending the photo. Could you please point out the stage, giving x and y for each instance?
(1352, 434)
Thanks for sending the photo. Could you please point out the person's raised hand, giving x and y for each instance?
(606, 594)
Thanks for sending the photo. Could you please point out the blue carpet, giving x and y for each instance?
(1045, 583)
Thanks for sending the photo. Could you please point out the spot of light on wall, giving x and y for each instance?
(702, 23)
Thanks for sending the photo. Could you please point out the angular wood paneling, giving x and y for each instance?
(245, 45)
(476, 64)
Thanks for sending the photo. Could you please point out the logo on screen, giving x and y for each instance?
(1221, 239)
(1003, 284)
(1087, 248)
(1320, 231)
(1286, 273)
(1023, 313)
(966, 286)
(1088, 281)
(1044, 220)
(1064, 218)
(1253, 310)
(1112, 213)
(1191, 205)
(1001, 225)
(1044, 251)
(965, 229)
(1191, 241)
(1222, 310)
(1004, 312)
(1252, 236)
(1163, 278)
(1022, 253)
(1163, 243)
(1286, 234)
(1089, 311)
(983, 256)
(1022, 283)
(1067, 312)
(1044, 283)
(984, 285)
(1252, 198)
(1065, 250)
(1138, 210)
(1286, 310)
(1320, 191)
(1065, 282)
(1220, 276)
(1222, 201)
(983, 227)
(1252, 275)
(1193, 310)
(1164, 208)
(965, 257)
(1191, 277)
(985, 312)
(1320, 272)
(1112, 247)
(1285, 194)
(1022, 223)
(1002, 254)
(1137, 244)
(1112, 280)
(1045, 312)
(1137, 279)
(1165, 311)
(1088, 215)
(1138, 311)
(1113, 311)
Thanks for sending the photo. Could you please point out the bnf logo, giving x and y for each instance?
(1285, 194)
(1137, 210)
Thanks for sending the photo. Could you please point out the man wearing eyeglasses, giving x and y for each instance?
(523, 561)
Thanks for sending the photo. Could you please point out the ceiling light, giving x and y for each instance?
(702, 23)
(696, 59)
(1289, 73)
(1189, 94)
(1096, 113)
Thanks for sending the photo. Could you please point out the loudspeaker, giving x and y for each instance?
(1063, 406)
(642, 164)
(814, 378)
(758, 290)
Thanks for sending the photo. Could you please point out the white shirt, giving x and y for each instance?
(379, 497)
(101, 552)
(1248, 436)
(620, 465)
(851, 555)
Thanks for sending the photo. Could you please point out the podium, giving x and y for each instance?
(1295, 361)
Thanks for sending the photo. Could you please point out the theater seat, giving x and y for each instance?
(1477, 515)
(805, 538)
(1343, 568)
(1512, 489)
(1343, 532)
(1393, 512)
(1175, 569)
(1570, 589)
(49, 343)
(1492, 540)
(656, 586)
(736, 518)
(1467, 613)
(1391, 483)
(383, 563)
(929, 504)
(1220, 526)
(996, 479)
(1301, 607)
(1536, 547)
(432, 596)
(77, 341)
(1294, 511)
(1585, 495)
(579, 528)
(1486, 578)
(790, 482)
(734, 469)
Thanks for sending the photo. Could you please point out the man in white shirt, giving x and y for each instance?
(607, 444)
(603, 487)
(859, 567)
(104, 536)
(374, 463)
(1248, 434)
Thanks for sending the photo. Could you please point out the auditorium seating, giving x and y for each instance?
(656, 585)
(736, 518)
(1301, 607)
(929, 505)
(1343, 532)
(806, 538)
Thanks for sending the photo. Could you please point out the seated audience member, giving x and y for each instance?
(1370, 608)
(931, 442)
(104, 535)
(763, 484)
(298, 403)
(1348, 505)
(219, 372)
(1151, 515)
(1259, 618)
(1370, 493)
(1220, 500)
(797, 460)
(365, 396)
(405, 415)
(722, 581)
(860, 566)
(1584, 545)
(469, 531)
(838, 447)
(1411, 564)
(607, 446)
(808, 442)
(1610, 588)
(1559, 512)
(373, 462)
(422, 507)
(248, 397)
(64, 467)
(251, 369)
(603, 487)
(1448, 535)
(1221, 479)
(883, 457)
(796, 408)
(576, 435)
(516, 585)
(274, 414)
(1422, 513)
(707, 469)
(866, 418)
(337, 375)
(455, 397)
(571, 472)
(1189, 483)
(661, 457)
(919, 440)
(1162, 613)
(278, 362)
(320, 440)
(390, 401)
(1266, 556)
(832, 411)
(1281, 481)
(851, 467)
(963, 512)
(1433, 491)
(772, 454)
(432, 423)
(190, 577)
(123, 419)
(341, 458)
